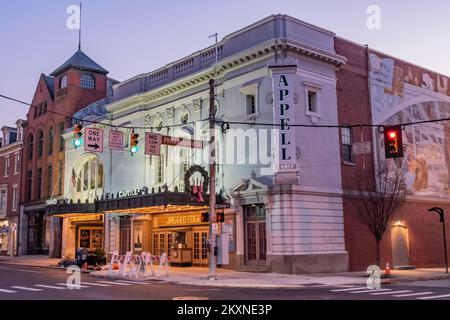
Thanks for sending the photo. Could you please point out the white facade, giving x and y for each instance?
(301, 227)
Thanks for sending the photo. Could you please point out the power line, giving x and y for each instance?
(99, 122)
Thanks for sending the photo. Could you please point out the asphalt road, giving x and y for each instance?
(31, 283)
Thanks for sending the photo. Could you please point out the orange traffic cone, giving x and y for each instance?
(387, 270)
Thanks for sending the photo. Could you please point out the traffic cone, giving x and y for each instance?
(387, 270)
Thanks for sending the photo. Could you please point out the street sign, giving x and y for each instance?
(153, 143)
(115, 140)
(215, 228)
(93, 140)
(182, 142)
(361, 148)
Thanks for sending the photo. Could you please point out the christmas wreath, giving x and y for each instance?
(188, 175)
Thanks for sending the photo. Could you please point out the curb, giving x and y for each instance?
(4, 262)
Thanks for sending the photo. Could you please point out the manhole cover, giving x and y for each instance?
(190, 298)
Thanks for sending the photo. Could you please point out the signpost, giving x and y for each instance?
(94, 140)
(182, 142)
(153, 143)
(115, 140)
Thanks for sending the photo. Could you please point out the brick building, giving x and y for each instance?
(377, 89)
(77, 83)
(10, 162)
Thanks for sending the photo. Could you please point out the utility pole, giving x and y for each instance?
(212, 174)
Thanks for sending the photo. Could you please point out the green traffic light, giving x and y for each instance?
(77, 142)
(134, 149)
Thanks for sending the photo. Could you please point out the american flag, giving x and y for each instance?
(74, 178)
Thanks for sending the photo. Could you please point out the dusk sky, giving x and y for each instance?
(132, 37)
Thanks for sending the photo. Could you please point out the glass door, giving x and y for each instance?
(200, 247)
(255, 235)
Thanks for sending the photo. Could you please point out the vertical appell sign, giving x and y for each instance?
(94, 140)
(283, 108)
(153, 143)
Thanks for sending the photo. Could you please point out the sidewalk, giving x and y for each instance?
(229, 278)
(30, 261)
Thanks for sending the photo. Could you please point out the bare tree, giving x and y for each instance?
(377, 200)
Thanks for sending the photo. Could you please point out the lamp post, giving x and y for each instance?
(440, 212)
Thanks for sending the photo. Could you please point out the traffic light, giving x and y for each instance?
(77, 135)
(134, 143)
(220, 216)
(204, 217)
(393, 142)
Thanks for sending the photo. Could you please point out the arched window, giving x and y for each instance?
(63, 82)
(87, 81)
(40, 143)
(88, 176)
(50, 141)
(30, 146)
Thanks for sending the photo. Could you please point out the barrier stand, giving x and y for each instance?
(164, 259)
(135, 265)
(115, 258)
(148, 261)
(126, 261)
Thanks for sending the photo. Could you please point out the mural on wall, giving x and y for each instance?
(426, 163)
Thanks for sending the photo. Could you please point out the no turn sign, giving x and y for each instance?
(94, 140)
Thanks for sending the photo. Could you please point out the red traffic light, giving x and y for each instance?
(220, 216)
(393, 142)
(204, 217)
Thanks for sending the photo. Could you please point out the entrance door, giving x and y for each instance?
(125, 234)
(255, 235)
(36, 233)
(200, 250)
(400, 246)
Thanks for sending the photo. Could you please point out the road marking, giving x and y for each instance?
(115, 282)
(21, 270)
(413, 294)
(49, 287)
(96, 284)
(371, 290)
(133, 282)
(25, 288)
(348, 289)
(389, 292)
(435, 297)
(72, 284)
(7, 291)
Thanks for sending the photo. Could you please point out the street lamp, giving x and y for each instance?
(440, 212)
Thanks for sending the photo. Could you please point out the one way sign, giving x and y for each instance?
(93, 140)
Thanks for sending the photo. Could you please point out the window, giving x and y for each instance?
(39, 183)
(160, 168)
(85, 176)
(3, 197)
(312, 101)
(50, 141)
(29, 184)
(100, 176)
(60, 177)
(61, 141)
(347, 144)
(30, 147)
(40, 143)
(250, 101)
(17, 163)
(49, 181)
(184, 163)
(44, 108)
(14, 199)
(6, 166)
(87, 81)
(63, 82)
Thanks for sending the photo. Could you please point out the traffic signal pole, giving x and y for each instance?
(212, 183)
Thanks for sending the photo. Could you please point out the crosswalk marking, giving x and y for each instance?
(96, 284)
(348, 289)
(389, 292)
(7, 291)
(434, 297)
(370, 290)
(25, 288)
(49, 287)
(115, 282)
(133, 282)
(65, 284)
(412, 294)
